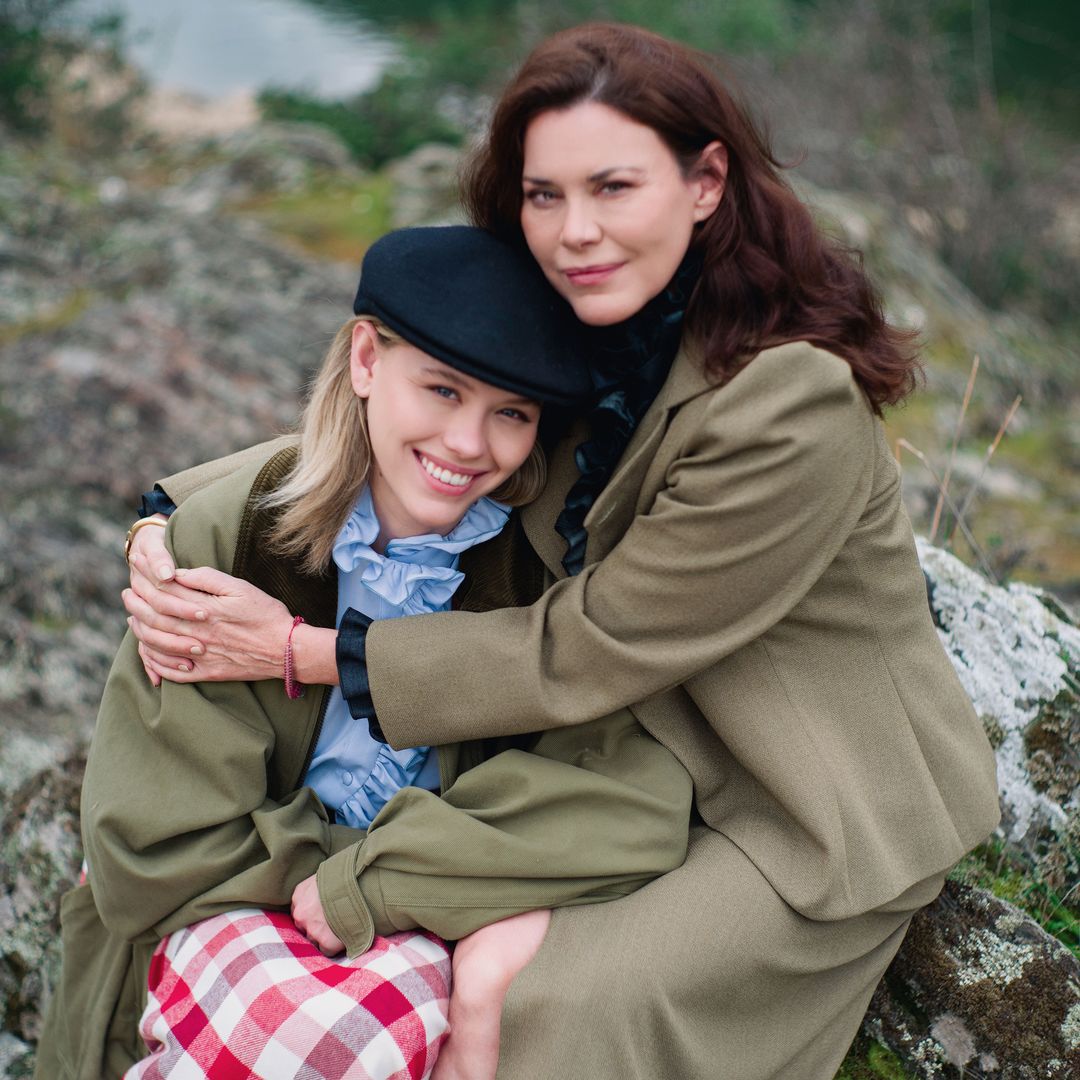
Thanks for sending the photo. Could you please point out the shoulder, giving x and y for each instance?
(204, 530)
(792, 420)
(796, 371)
(795, 390)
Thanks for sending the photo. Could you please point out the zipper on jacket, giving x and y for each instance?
(314, 737)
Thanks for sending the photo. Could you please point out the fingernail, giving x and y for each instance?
(183, 667)
(130, 620)
(180, 571)
(200, 615)
(196, 650)
(165, 573)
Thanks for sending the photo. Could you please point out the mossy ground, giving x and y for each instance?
(1031, 536)
(869, 1060)
(992, 868)
(333, 218)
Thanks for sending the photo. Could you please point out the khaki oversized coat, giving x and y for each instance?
(752, 596)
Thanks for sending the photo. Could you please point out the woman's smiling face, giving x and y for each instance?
(440, 439)
(608, 212)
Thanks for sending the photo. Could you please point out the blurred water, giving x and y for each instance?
(218, 47)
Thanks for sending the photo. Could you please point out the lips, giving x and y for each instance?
(446, 476)
(591, 275)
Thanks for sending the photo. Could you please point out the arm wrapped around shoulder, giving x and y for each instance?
(766, 478)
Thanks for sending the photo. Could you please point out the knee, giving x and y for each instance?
(487, 961)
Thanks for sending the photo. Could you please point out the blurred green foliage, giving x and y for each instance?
(869, 1060)
(994, 868)
(386, 123)
(25, 29)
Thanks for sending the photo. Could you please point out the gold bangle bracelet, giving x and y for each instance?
(134, 529)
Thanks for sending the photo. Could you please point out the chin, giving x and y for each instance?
(604, 310)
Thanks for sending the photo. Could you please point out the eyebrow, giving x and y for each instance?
(448, 374)
(603, 174)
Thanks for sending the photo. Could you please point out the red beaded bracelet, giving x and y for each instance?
(292, 688)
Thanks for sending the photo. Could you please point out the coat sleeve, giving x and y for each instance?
(758, 502)
(590, 814)
(178, 821)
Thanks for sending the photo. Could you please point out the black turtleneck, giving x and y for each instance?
(628, 364)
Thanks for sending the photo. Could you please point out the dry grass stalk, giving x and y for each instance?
(903, 444)
(952, 452)
(986, 463)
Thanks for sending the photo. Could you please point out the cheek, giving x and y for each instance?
(540, 232)
(514, 449)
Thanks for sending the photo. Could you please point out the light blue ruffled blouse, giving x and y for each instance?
(352, 774)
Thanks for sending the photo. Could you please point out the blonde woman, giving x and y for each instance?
(203, 807)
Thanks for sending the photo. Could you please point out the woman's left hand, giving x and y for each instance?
(208, 626)
(310, 919)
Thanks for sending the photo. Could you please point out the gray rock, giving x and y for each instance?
(40, 855)
(1017, 653)
(426, 187)
(980, 991)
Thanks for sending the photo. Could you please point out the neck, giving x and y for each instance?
(389, 530)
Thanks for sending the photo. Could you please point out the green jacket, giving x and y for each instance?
(192, 806)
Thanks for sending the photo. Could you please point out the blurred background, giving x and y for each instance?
(187, 187)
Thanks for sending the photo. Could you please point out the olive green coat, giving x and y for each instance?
(192, 805)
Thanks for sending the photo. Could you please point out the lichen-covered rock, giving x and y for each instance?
(1017, 653)
(39, 860)
(980, 991)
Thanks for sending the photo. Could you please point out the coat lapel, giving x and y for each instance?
(615, 505)
(538, 518)
(686, 380)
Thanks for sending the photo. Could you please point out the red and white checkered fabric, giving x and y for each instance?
(245, 995)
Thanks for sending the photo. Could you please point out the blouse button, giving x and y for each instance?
(347, 778)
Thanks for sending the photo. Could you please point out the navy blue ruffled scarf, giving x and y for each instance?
(629, 364)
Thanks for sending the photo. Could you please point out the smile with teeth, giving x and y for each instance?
(445, 476)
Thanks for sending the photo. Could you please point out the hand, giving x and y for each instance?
(205, 625)
(148, 550)
(310, 919)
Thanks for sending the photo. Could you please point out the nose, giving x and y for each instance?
(579, 227)
(465, 435)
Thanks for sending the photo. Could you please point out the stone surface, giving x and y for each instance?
(1017, 652)
(980, 991)
(426, 187)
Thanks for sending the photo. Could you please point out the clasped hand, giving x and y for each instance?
(200, 625)
(310, 918)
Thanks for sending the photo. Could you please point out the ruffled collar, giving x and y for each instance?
(416, 574)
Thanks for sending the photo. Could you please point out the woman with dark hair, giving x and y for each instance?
(721, 549)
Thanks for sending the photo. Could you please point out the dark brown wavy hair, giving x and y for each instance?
(769, 274)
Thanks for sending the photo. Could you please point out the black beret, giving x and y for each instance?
(479, 305)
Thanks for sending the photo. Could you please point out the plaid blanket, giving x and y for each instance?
(245, 994)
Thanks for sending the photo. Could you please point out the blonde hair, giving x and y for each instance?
(334, 460)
